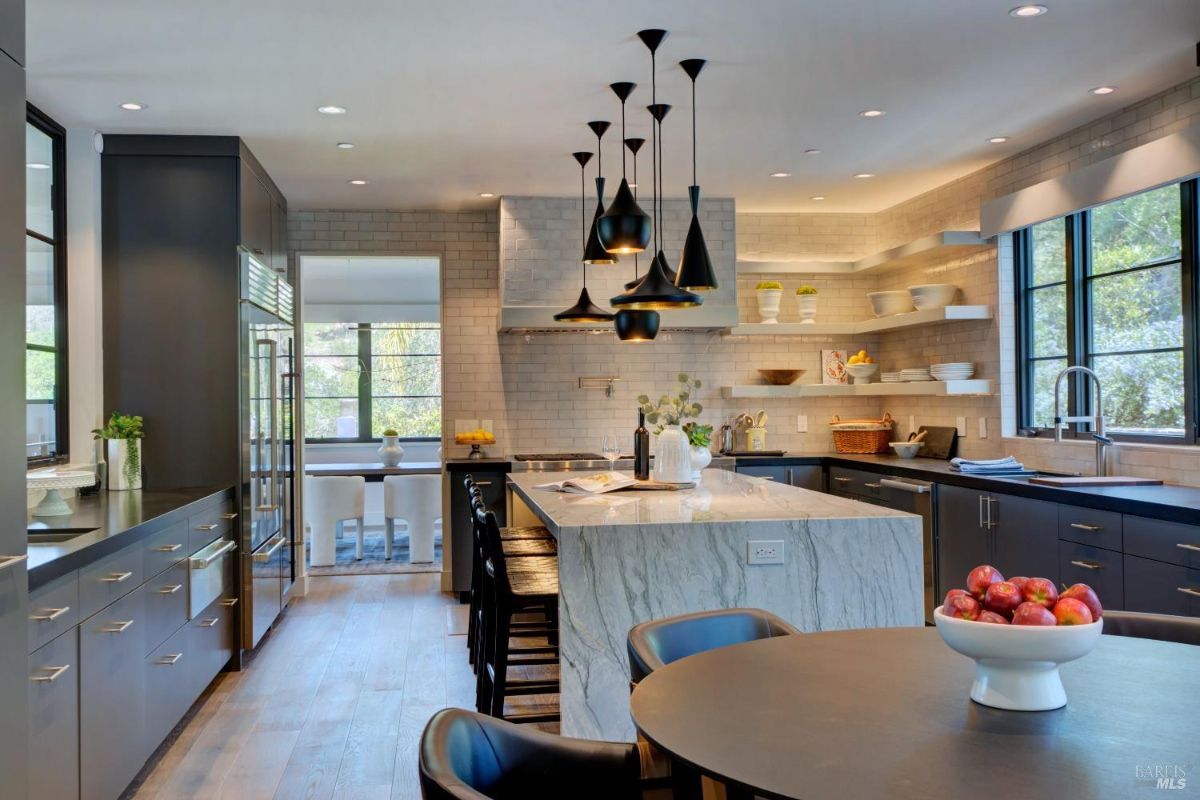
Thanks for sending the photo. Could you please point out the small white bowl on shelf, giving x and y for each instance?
(888, 304)
(1016, 666)
(906, 449)
(861, 372)
(932, 295)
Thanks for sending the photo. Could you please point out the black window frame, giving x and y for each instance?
(1076, 276)
(58, 202)
(365, 396)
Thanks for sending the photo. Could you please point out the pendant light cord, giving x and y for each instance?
(583, 216)
(622, 138)
(654, 148)
(635, 192)
(693, 131)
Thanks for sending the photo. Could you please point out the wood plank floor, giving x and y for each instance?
(334, 703)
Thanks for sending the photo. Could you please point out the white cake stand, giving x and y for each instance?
(52, 504)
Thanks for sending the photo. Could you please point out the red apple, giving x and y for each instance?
(1069, 611)
(1041, 591)
(1086, 595)
(1002, 598)
(980, 578)
(993, 617)
(954, 593)
(1019, 582)
(1033, 614)
(962, 606)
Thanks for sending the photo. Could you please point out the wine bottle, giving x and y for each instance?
(641, 449)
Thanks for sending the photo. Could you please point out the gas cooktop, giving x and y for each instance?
(558, 457)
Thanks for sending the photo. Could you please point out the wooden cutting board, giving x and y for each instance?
(940, 442)
(1115, 480)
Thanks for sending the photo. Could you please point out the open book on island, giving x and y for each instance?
(602, 482)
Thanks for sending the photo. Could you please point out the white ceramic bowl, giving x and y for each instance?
(906, 449)
(1016, 666)
(932, 295)
(887, 304)
(861, 372)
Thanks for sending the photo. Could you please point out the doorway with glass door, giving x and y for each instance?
(371, 413)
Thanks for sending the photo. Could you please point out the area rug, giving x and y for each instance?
(373, 562)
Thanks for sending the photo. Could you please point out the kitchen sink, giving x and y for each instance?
(57, 535)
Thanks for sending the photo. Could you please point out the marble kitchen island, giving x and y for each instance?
(631, 556)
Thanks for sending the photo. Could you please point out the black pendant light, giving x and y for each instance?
(593, 251)
(624, 228)
(659, 112)
(636, 326)
(695, 267)
(656, 291)
(584, 309)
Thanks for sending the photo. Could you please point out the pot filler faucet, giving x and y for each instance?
(1103, 441)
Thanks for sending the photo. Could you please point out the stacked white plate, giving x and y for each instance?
(959, 371)
(891, 377)
(916, 374)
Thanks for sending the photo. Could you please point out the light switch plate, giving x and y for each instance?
(961, 424)
(801, 423)
(764, 552)
(983, 427)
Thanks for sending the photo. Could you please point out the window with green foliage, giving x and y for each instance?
(45, 290)
(363, 378)
(1114, 289)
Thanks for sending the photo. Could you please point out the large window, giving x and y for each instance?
(363, 378)
(1113, 289)
(45, 292)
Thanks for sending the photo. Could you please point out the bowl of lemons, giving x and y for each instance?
(861, 367)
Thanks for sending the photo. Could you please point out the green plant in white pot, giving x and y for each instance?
(806, 304)
(672, 450)
(700, 439)
(769, 294)
(391, 452)
(122, 436)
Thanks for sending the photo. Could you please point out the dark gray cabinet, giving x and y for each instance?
(962, 541)
(806, 476)
(166, 604)
(12, 29)
(173, 679)
(854, 483)
(1160, 588)
(1101, 569)
(491, 483)
(111, 698)
(54, 719)
(256, 209)
(1016, 535)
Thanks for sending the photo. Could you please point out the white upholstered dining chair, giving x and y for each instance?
(328, 502)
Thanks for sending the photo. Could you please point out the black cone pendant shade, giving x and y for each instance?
(593, 250)
(636, 326)
(634, 146)
(584, 309)
(695, 267)
(624, 228)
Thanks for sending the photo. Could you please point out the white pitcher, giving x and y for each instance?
(673, 456)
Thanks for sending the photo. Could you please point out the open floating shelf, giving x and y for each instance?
(921, 388)
(926, 250)
(876, 325)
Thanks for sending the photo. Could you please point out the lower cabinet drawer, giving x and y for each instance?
(1161, 588)
(1090, 526)
(54, 719)
(1160, 540)
(166, 604)
(172, 686)
(1103, 570)
(165, 548)
(855, 481)
(110, 579)
(53, 610)
(211, 637)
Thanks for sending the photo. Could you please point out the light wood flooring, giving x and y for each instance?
(333, 703)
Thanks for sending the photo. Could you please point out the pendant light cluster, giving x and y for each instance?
(625, 229)
(584, 309)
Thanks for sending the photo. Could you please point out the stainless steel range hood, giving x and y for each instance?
(540, 319)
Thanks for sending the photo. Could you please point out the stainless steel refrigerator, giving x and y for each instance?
(267, 399)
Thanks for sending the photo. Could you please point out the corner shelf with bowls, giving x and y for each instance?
(895, 322)
(921, 388)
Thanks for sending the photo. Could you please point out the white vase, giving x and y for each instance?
(673, 456)
(701, 458)
(390, 452)
(768, 304)
(124, 457)
(806, 305)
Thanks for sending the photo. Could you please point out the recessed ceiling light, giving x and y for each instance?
(331, 109)
(872, 112)
(345, 145)
(133, 106)
(357, 182)
(998, 140)
(812, 151)
(817, 197)
(37, 165)
(487, 194)
(781, 174)
(1022, 12)
(864, 175)
(1103, 90)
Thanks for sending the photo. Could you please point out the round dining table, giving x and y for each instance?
(885, 713)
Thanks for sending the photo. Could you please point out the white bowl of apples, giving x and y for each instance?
(1018, 631)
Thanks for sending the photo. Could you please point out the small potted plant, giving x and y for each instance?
(700, 438)
(769, 295)
(122, 437)
(806, 304)
(390, 452)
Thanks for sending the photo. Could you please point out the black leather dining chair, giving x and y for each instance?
(469, 756)
(1164, 627)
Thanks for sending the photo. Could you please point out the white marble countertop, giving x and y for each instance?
(721, 496)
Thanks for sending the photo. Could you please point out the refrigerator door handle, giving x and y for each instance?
(273, 354)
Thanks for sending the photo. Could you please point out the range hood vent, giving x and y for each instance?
(540, 319)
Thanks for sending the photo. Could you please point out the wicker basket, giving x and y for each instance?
(862, 436)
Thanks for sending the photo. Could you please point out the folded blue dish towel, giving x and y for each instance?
(995, 466)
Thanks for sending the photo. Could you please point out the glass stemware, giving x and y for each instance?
(610, 448)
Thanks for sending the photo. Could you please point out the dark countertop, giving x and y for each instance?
(119, 519)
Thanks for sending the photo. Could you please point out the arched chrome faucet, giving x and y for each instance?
(1103, 441)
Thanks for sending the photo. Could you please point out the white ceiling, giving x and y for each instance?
(370, 280)
(449, 98)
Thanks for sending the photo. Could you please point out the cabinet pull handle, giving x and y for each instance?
(229, 515)
(209, 623)
(117, 577)
(171, 660)
(872, 485)
(1088, 564)
(118, 627)
(841, 480)
(55, 674)
(1083, 526)
(170, 589)
(1189, 546)
(991, 523)
(204, 560)
(168, 548)
(767, 478)
(269, 552)
(483, 483)
(54, 613)
(11, 561)
(229, 602)
(790, 481)
(209, 526)
(1186, 590)
(982, 524)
